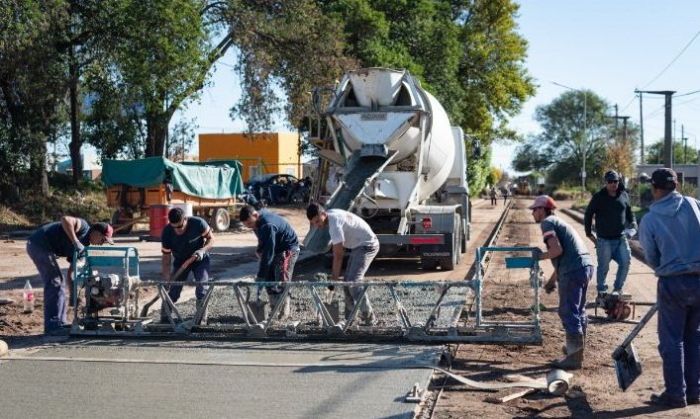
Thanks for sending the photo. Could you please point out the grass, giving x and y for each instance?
(10, 220)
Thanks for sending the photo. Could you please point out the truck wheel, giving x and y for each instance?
(221, 220)
(122, 217)
(448, 264)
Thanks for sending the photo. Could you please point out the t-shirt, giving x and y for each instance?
(53, 237)
(349, 229)
(575, 254)
(184, 245)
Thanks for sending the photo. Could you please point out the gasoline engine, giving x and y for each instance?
(108, 291)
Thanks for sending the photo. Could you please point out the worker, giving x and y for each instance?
(493, 195)
(669, 236)
(504, 191)
(347, 230)
(61, 239)
(188, 240)
(614, 224)
(278, 250)
(573, 270)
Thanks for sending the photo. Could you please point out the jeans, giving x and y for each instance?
(201, 274)
(283, 269)
(358, 264)
(678, 298)
(617, 250)
(572, 300)
(55, 295)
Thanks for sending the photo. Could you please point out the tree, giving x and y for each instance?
(467, 53)
(564, 142)
(32, 89)
(681, 154)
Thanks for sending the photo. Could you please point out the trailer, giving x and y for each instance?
(133, 186)
(404, 165)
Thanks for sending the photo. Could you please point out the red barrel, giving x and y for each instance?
(158, 219)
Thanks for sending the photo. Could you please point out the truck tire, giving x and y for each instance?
(220, 220)
(121, 217)
(448, 264)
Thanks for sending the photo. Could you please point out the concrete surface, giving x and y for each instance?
(148, 379)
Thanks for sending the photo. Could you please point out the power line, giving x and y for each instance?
(674, 59)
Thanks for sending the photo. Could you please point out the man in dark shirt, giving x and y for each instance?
(186, 238)
(613, 217)
(278, 250)
(61, 239)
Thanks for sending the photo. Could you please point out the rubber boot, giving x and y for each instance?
(563, 347)
(205, 315)
(574, 353)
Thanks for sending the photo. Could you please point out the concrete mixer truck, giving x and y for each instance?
(404, 166)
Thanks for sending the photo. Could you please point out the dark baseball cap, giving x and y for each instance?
(664, 176)
(612, 175)
(106, 230)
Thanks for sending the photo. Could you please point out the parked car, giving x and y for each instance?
(278, 188)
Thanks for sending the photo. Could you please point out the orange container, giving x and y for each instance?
(158, 219)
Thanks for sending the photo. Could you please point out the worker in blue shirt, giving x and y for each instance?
(187, 240)
(278, 250)
(669, 235)
(62, 239)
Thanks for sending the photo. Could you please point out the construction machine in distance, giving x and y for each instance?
(404, 165)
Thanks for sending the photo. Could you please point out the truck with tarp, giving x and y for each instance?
(133, 186)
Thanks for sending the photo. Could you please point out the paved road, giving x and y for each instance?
(116, 379)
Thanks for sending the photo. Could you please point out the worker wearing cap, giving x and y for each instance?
(278, 250)
(614, 224)
(669, 234)
(187, 240)
(61, 239)
(347, 230)
(573, 269)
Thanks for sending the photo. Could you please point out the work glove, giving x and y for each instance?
(199, 254)
(630, 232)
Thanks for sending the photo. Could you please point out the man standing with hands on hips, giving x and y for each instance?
(614, 224)
(670, 236)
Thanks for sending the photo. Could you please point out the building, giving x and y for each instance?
(688, 174)
(91, 170)
(260, 153)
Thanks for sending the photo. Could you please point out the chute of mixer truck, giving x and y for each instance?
(404, 166)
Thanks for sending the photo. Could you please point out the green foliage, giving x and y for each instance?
(560, 148)
(655, 153)
(467, 53)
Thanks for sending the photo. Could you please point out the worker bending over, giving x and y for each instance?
(188, 240)
(61, 238)
(278, 250)
(347, 230)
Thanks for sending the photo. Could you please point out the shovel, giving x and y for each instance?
(628, 366)
(178, 273)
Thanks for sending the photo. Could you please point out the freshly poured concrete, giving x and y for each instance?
(148, 379)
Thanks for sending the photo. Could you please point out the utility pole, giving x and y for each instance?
(641, 129)
(684, 140)
(668, 140)
(624, 124)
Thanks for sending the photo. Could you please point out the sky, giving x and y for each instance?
(610, 47)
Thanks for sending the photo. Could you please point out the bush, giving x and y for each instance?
(90, 205)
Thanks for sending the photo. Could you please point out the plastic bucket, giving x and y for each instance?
(158, 219)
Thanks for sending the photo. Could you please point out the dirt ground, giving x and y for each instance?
(595, 392)
(231, 249)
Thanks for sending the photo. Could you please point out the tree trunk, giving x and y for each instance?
(37, 167)
(157, 131)
(76, 142)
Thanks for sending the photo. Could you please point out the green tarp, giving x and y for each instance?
(215, 180)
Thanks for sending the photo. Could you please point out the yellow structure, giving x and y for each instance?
(260, 153)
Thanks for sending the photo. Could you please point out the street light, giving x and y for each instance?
(585, 133)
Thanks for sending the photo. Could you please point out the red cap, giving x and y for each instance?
(543, 201)
(106, 230)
